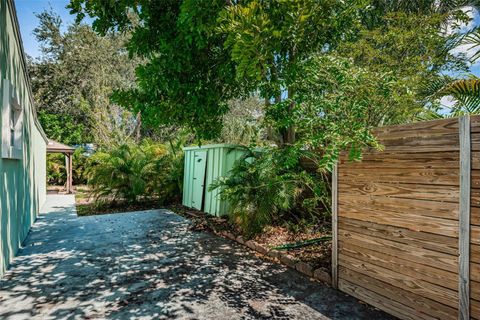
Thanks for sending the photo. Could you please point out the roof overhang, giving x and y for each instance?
(57, 147)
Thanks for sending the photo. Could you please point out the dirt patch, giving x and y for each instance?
(86, 206)
(92, 208)
(317, 255)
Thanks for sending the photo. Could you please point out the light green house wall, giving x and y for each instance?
(22, 181)
(220, 159)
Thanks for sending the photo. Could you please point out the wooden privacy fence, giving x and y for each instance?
(406, 221)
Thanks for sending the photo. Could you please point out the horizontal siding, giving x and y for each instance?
(398, 221)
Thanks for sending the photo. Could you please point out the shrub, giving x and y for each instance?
(56, 173)
(130, 172)
(269, 186)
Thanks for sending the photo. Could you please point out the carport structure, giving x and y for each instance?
(57, 147)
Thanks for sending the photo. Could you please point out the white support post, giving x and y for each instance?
(464, 220)
(335, 226)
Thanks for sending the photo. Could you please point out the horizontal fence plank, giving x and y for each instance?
(475, 253)
(422, 307)
(475, 272)
(475, 290)
(441, 143)
(420, 255)
(417, 286)
(419, 129)
(371, 297)
(475, 309)
(420, 141)
(475, 235)
(474, 123)
(382, 164)
(445, 210)
(445, 176)
(475, 198)
(427, 159)
(475, 160)
(475, 178)
(475, 216)
(404, 267)
(398, 220)
(406, 191)
(409, 221)
(439, 243)
(475, 141)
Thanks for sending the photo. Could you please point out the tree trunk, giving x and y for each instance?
(138, 128)
(289, 133)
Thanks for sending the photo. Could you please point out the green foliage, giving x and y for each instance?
(268, 38)
(243, 123)
(79, 163)
(335, 106)
(201, 54)
(134, 172)
(410, 46)
(262, 191)
(465, 92)
(56, 170)
(73, 79)
(328, 71)
(470, 40)
(63, 127)
(188, 77)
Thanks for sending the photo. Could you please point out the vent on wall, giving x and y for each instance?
(12, 123)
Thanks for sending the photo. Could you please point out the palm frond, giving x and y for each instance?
(472, 40)
(467, 94)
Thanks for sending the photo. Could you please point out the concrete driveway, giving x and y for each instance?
(148, 265)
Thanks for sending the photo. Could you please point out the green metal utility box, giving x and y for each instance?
(203, 165)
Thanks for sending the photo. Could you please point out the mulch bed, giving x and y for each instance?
(318, 256)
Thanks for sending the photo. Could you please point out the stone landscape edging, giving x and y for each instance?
(284, 258)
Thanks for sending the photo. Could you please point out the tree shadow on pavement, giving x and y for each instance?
(149, 265)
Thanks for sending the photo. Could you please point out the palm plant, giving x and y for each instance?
(261, 189)
(130, 172)
(466, 92)
(119, 173)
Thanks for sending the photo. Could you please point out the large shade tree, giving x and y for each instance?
(73, 79)
(203, 53)
(188, 76)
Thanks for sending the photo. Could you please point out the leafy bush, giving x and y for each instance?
(130, 172)
(332, 109)
(79, 163)
(269, 186)
(56, 173)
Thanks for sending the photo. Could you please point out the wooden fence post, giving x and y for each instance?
(335, 226)
(464, 220)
